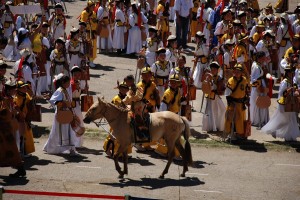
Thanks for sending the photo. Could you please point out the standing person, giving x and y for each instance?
(104, 18)
(284, 124)
(201, 59)
(172, 51)
(62, 137)
(183, 9)
(162, 12)
(213, 119)
(119, 28)
(21, 100)
(222, 26)
(161, 70)
(58, 57)
(58, 23)
(237, 97)
(7, 21)
(136, 20)
(75, 48)
(153, 43)
(76, 92)
(8, 145)
(241, 55)
(90, 18)
(259, 116)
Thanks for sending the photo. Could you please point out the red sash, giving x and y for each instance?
(20, 74)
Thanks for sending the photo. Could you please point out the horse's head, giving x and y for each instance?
(95, 111)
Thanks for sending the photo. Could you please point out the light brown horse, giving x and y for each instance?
(167, 125)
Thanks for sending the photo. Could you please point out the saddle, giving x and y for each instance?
(140, 126)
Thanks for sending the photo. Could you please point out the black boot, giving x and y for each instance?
(20, 173)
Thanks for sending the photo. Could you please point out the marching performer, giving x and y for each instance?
(200, 63)
(90, 18)
(259, 116)
(136, 21)
(222, 26)
(213, 119)
(119, 28)
(236, 93)
(284, 124)
(104, 19)
(58, 22)
(228, 62)
(162, 12)
(161, 70)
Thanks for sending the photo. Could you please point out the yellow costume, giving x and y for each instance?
(289, 52)
(21, 100)
(236, 107)
(91, 20)
(163, 22)
(150, 93)
(194, 21)
(117, 100)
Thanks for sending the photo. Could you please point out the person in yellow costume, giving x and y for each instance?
(151, 95)
(281, 6)
(90, 18)
(241, 55)
(21, 100)
(163, 21)
(110, 144)
(194, 21)
(171, 101)
(236, 93)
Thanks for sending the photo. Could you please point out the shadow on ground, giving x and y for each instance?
(295, 144)
(198, 135)
(103, 68)
(250, 145)
(155, 183)
(38, 131)
(85, 150)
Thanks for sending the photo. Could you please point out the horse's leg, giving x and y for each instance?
(171, 154)
(125, 161)
(117, 166)
(183, 155)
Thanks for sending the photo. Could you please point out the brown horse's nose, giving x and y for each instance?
(86, 120)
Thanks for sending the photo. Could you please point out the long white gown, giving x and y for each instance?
(134, 43)
(104, 13)
(259, 116)
(118, 39)
(201, 50)
(214, 117)
(54, 144)
(283, 124)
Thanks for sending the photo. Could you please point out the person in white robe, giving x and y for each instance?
(284, 124)
(152, 45)
(201, 59)
(136, 20)
(74, 48)
(213, 119)
(104, 18)
(62, 137)
(119, 28)
(172, 52)
(258, 116)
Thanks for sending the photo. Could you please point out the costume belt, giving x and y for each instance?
(74, 52)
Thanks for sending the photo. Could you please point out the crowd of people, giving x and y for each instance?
(241, 52)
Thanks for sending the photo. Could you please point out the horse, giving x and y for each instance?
(166, 124)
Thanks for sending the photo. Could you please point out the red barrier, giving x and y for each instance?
(61, 194)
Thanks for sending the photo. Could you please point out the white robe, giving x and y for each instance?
(106, 43)
(259, 116)
(118, 39)
(200, 51)
(74, 59)
(134, 43)
(53, 144)
(283, 124)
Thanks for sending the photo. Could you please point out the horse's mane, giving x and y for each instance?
(124, 110)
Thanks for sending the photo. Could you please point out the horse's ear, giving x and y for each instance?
(99, 100)
(102, 98)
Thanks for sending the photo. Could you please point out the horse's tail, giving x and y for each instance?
(186, 135)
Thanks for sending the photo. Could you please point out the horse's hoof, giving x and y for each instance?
(161, 177)
(121, 176)
(182, 175)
